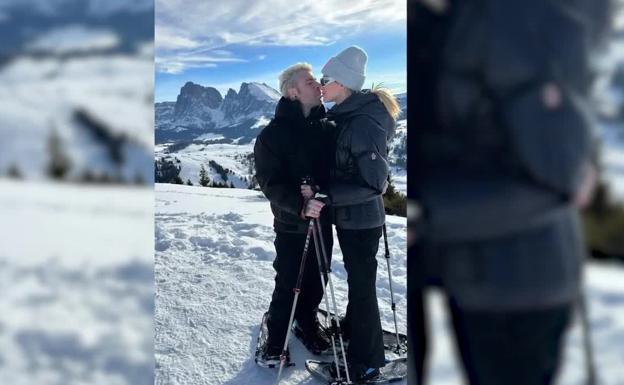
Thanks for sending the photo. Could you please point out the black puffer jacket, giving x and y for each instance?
(360, 170)
(289, 148)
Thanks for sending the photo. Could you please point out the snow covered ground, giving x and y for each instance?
(214, 278)
(76, 276)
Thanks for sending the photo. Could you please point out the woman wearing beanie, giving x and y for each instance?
(364, 120)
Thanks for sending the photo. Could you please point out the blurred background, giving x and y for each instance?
(603, 219)
(76, 192)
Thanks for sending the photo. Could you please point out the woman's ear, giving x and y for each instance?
(293, 94)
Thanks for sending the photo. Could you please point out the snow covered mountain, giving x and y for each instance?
(201, 110)
(200, 128)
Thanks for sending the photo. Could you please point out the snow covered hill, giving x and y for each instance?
(397, 158)
(76, 274)
(200, 128)
(225, 163)
(214, 277)
(80, 72)
(99, 107)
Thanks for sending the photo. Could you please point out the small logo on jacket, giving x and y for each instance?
(373, 156)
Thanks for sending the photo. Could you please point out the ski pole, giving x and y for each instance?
(323, 270)
(396, 328)
(333, 297)
(590, 365)
(297, 290)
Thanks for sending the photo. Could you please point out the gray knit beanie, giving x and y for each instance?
(348, 68)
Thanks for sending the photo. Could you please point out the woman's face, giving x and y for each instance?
(331, 91)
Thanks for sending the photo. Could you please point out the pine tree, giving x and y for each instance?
(395, 203)
(188, 182)
(203, 177)
(59, 164)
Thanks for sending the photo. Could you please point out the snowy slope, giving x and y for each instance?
(76, 274)
(230, 156)
(214, 278)
(235, 158)
(397, 157)
(42, 95)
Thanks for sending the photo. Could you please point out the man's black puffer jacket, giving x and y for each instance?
(289, 148)
(360, 171)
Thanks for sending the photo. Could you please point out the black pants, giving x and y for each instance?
(511, 348)
(359, 250)
(496, 348)
(289, 249)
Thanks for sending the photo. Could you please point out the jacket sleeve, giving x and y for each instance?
(270, 175)
(368, 150)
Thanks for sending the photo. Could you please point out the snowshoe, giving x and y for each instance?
(268, 356)
(389, 338)
(394, 370)
(316, 341)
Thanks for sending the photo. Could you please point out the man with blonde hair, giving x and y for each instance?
(293, 146)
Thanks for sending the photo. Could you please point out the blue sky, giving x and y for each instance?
(222, 45)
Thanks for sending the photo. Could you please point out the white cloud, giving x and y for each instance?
(178, 63)
(74, 38)
(205, 27)
(178, 67)
(168, 39)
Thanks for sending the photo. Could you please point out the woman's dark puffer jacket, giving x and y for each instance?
(360, 172)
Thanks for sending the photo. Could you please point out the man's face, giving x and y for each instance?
(308, 89)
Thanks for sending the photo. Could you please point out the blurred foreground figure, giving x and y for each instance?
(500, 160)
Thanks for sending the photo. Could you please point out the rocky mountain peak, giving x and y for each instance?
(193, 96)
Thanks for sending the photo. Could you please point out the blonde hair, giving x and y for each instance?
(388, 99)
(288, 77)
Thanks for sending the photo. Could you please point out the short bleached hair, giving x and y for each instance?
(288, 77)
